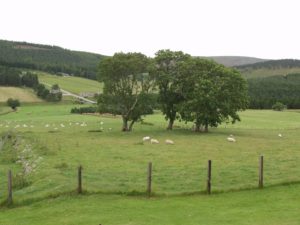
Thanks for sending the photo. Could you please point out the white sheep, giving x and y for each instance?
(169, 142)
(147, 138)
(154, 141)
(231, 139)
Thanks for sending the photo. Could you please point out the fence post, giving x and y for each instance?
(79, 189)
(261, 172)
(149, 179)
(10, 197)
(209, 177)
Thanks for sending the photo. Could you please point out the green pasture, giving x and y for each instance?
(271, 206)
(72, 84)
(116, 162)
(115, 168)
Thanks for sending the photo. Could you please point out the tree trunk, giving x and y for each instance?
(170, 125)
(125, 124)
(206, 128)
(197, 127)
(131, 125)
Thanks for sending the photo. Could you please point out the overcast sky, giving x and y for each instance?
(260, 28)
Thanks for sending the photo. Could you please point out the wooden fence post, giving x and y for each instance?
(261, 172)
(10, 197)
(209, 177)
(79, 189)
(149, 179)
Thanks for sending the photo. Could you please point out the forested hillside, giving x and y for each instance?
(47, 58)
(270, 68)
(266, 91)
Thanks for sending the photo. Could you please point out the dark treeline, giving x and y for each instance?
(272, 64)
(265, 92)
(47, 58)
(14, 77)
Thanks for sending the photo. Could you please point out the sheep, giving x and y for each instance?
(147, 138)
(231, 139)
(47, 125)
(279, 135)
(169, 142)
(154, 141)
(62, 125)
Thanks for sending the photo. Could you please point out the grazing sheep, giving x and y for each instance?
(169, 142)
(231, 139)
(147, 138)
(62, 125)
(154, 141)
(279, 135)
(47, 125)
(101, 123)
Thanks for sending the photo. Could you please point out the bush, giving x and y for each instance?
(81, 110)
(278, 106)
(13, 103)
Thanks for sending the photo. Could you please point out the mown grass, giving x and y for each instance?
(23, 94)
(116, 162)
(271, 206)
(72, 84)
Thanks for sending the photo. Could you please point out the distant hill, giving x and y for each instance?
(232, 61)
(48, 58)
(270, 68)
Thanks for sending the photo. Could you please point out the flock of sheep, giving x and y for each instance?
(232, 139)
(155, 141)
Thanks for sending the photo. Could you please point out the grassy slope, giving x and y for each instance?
(23, 94)
(273, 206)
(72, 84)
(253, 73)
(116, 162)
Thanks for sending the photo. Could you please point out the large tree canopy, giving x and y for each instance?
(212, 93)
(127, 84)
(167, 78)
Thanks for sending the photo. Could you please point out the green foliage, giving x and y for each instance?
(81, 110)
(212, 93)
(54, 95)
(29, 80)
(13, 103)
(10, 77)
(14, 77)
(47, 58)
(127, 84)
(278, 106)
(168, 79)
(265, 92)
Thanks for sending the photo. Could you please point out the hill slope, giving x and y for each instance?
(270, 68)
(72, 84)
(235, 60)
(23, 94)
(48, 58)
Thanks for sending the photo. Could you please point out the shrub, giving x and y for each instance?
(81, 110)
(13, 103)
(278, 106)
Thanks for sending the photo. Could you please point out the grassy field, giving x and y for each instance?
(55, 143)
(268, 72)
(74, 85)
(23, 94)
(272, 206)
